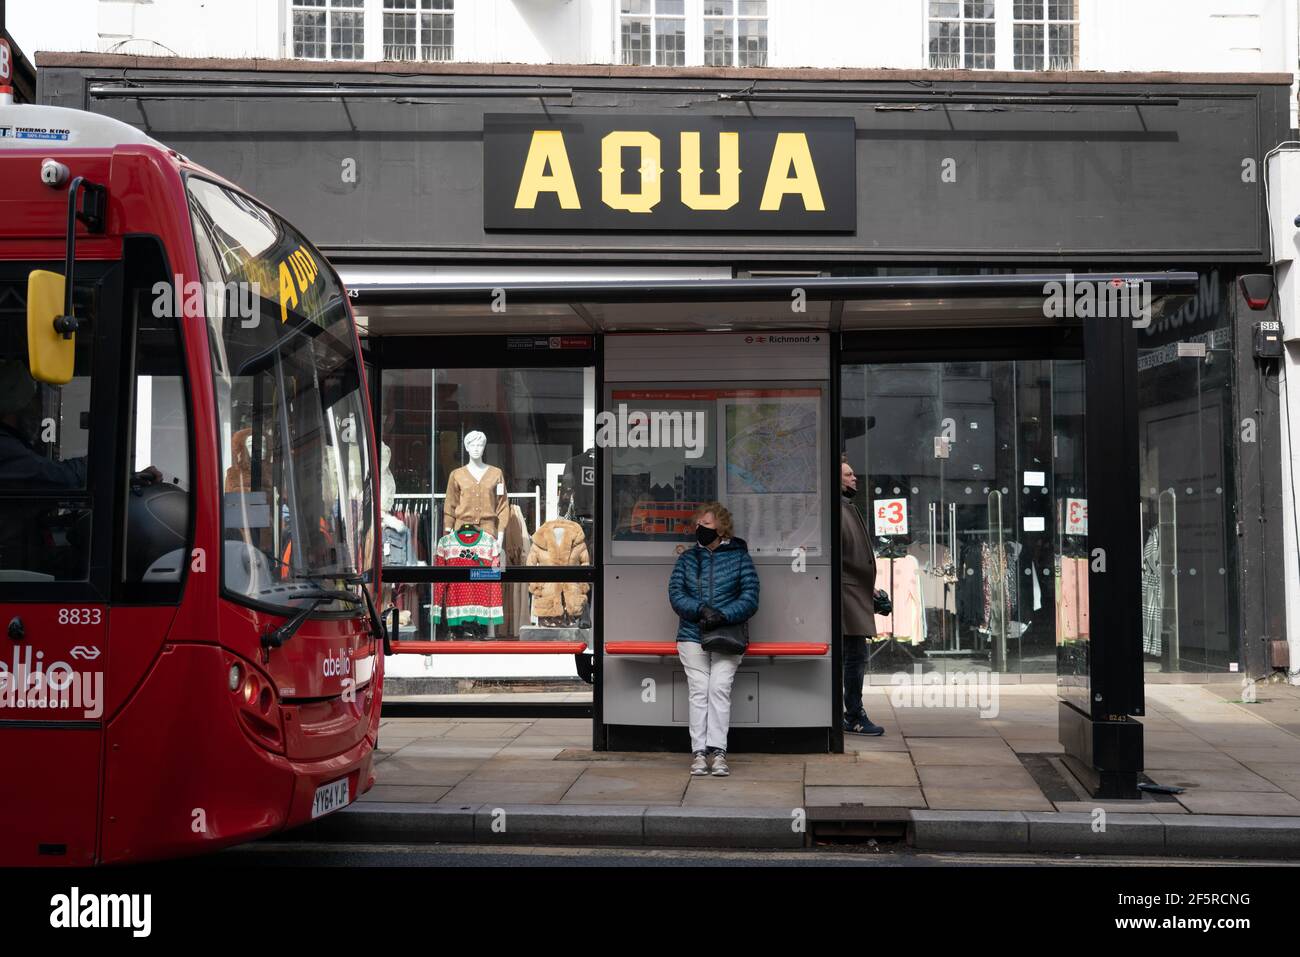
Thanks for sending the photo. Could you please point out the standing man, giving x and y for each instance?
(857, 602)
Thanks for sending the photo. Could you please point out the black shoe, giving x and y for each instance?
(863, 725)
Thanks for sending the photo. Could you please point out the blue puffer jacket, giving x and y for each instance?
(735, 585)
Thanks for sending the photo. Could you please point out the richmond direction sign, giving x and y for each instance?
(739, 174)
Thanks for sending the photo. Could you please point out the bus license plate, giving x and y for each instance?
(330, 797)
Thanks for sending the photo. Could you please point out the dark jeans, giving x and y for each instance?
(855, 672)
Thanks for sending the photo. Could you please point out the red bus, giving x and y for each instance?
(188, 513)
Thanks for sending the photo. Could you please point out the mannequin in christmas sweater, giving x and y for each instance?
(475, 513)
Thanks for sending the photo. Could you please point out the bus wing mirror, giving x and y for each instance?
(51, 335)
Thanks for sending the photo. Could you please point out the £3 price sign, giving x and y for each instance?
(891, 516)
(1076, 516)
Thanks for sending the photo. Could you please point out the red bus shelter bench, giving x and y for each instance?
(490, 647)
(781, 649)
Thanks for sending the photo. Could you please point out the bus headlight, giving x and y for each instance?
(235, 677)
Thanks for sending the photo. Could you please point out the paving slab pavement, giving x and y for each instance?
(957, 780)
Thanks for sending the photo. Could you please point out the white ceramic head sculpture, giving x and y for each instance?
(475, 443)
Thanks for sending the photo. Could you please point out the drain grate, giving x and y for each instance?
(858, 824)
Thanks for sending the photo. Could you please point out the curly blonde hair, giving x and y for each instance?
(726, 528)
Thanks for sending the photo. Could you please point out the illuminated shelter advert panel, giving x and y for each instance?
(756, 450)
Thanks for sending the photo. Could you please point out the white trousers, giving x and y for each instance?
(709, 677)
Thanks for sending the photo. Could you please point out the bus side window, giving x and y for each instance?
(159, 485)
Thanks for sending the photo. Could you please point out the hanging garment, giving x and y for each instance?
(1153, 607)
(468, 602)
(406, 595)
(559, 542)
(901, 577)
(397, 541)
(1072, 600)
(515, 543)
(1011, 575)
(476, 501)
(579, 481)
(989, 569)
(971, 613)
(938, 579)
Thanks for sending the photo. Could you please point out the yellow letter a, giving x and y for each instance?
(547, 146)
(792, 149)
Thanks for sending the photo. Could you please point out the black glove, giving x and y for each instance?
(711, 618)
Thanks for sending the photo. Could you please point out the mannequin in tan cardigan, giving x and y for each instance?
(476, 493)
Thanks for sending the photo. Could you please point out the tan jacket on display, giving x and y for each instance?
(482, 502)
(555, 599)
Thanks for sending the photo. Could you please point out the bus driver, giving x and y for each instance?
(21, 462)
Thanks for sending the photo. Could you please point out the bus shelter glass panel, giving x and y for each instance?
(1072, 557)
(506, 451)
(486, 473)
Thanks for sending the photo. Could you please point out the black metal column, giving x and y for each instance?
(1102, 741)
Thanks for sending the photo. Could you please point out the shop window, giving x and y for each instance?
(961, 34)
(652, 32)
(1185, 436)
(735, 32)
(328, 29)
(971, 485)
(1045, 34)
(756, 450)
(419, 30)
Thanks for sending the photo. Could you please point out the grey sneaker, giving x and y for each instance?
(699, 766)
(720, 769)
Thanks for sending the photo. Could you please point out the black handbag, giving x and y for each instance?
(881, 602)
(729, 639)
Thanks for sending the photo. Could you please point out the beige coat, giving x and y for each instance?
(555, 599)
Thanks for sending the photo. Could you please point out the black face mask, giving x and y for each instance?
(705, 536)
(849, 492)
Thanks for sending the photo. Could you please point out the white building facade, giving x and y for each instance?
(1207, 36)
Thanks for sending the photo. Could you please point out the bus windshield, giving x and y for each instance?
(298, 495)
